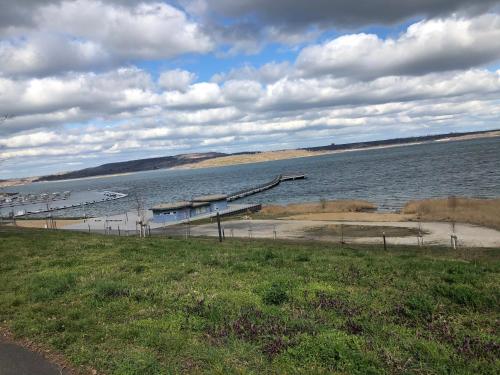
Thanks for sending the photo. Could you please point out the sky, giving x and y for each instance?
(86, 82)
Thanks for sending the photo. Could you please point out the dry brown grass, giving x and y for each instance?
(251, 158)
(316, 207)
(485, 212)
(353, 216)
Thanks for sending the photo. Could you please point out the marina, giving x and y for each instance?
(181, 212)
(130, 223)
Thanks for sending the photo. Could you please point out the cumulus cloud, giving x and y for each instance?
(302, 13)
(147, 30)
(427, 46)
(176, 79)
(44, 55)
(63, 36)
(245, 110)
(254, 22)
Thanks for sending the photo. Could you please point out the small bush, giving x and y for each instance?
(276, 294)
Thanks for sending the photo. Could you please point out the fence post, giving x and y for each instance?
(385, 243)
(218, 226)
(419, 239)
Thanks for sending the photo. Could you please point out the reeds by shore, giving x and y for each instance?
(485, 212)
(315, 207)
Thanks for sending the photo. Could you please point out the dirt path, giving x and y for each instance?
(436, 233)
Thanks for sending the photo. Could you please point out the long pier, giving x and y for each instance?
(268, 185)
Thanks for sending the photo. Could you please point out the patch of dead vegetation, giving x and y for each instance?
(324, 206)
(484, 212)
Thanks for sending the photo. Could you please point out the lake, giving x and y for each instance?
(388, 177)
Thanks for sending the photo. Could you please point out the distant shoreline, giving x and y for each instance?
(261, 157)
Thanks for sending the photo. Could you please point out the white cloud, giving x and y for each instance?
(426, 46)
(48, 54)
(176, 79)
(242, 90)
(84, 34)
(146, 30)
(199, 95)
(327, 92)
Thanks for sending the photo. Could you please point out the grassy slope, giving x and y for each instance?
(131, 306)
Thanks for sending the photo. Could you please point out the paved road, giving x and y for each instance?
(16, 360)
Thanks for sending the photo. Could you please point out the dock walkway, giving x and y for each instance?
(268, 185)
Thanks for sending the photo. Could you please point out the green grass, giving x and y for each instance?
(156, 306)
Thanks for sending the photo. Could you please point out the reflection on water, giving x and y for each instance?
(388, 177)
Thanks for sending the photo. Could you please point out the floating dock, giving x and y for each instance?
(76, 199)
(268, 185)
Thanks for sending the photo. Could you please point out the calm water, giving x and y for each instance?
(388, 177)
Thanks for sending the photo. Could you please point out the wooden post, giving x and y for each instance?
(218, 226)
(385, 243)
(119, 234)
(341, 235)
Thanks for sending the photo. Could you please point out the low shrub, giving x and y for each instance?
(276, 294)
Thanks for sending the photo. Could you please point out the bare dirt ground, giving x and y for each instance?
(434, 233)
(351, 216)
